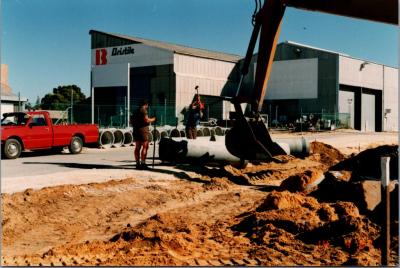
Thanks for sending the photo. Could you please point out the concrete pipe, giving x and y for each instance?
(150, 137)
(106, 138)
(118, 138)
(206, 132)
(156, 134)
(226, 131)
(298, 146)
(212, 132)
(182, 133)
(218, 131)
(200, 132)
(164, 134)
(179, 149)
(128, 138)
(175, 133)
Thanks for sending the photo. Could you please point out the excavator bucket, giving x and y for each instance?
(249, 139)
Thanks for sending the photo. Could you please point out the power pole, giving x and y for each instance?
(72, 105)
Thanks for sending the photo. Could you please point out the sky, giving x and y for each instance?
(46, 43)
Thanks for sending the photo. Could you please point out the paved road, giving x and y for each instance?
(40, 169)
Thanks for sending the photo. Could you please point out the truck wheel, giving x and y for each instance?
(75, 147)
(12, 149)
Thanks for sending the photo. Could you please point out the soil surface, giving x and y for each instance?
(263, 214)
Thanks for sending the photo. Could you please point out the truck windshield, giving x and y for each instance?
(14, 119)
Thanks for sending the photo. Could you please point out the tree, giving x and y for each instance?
(60, 99)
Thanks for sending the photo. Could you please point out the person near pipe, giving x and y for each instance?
(193, 119)
(141, 134)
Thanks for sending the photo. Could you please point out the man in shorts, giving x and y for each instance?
(141, 133)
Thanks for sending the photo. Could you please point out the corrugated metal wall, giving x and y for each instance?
(213, 77)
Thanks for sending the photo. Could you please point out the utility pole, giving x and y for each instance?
(72, 105)
(19, 101)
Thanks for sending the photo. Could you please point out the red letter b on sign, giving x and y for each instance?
(101, 56)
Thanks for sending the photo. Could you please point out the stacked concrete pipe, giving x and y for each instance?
(206, 131)
(219, 131)
(164, 134)
(128, 137)
(106, 138)
(118, 138)
(156, 134)
(175, 133)
(200, 132)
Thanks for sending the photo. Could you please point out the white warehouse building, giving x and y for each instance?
(311, 81)
(304, 80)
(126, 70)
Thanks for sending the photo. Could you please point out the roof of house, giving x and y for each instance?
(179, 49)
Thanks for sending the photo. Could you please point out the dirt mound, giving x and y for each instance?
(325, 153)
(218, 184)
(302, 182)
(367, 164)
(286, 218)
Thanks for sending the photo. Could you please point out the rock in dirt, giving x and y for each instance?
(302, 182)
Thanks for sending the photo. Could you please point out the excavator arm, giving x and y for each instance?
(267, 26)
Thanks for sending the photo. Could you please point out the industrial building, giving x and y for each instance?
(126, 70)
(311, 81)
(9, 101)
(304, 81)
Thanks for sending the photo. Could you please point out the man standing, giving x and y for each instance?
(141, 133)
(194, 117)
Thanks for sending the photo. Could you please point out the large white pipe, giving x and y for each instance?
(180, 148)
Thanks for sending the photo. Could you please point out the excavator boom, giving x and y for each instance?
(267, 26)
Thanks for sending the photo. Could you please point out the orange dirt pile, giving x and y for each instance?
(260, 215)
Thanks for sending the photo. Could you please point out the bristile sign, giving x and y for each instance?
(104, 56)
(135, 54)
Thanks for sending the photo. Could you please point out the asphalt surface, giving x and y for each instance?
(42, 169)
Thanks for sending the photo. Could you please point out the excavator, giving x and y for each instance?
(249, 139)
(267, 21)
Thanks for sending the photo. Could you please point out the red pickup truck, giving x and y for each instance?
(35, 130)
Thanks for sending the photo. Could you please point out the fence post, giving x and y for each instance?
(385, 199)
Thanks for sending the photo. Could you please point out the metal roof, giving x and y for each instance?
(179, 49)
(316, 48)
